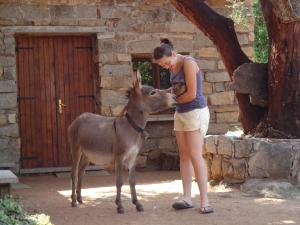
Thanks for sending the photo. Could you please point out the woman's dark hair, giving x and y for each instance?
(165, 49)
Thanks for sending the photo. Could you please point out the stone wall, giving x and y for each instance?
(234, 159)
(124, 28)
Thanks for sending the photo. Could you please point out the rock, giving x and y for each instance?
(217, 77)
(207, 64)
(10, 130)
(182, 27)
(227, 117)
(219, 128)
(170, 160)
(270, 160)
(141, 161)
(117, 70)
(243, 148)
(239, 169)
(221, 98)
(219, 87)
(294, 176)
(154, 159)
(225, 146)
(252, 78)
(270, 188)
(210, 142)
(7, 86)
(209, 52)
(216, 168)
(206, 88)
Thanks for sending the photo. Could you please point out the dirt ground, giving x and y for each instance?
(157, 191)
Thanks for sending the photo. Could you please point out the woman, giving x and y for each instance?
(190, 121)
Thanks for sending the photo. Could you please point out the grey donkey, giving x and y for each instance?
(114, 142)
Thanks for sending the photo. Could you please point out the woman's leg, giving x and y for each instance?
(194, 143)
(185, 166)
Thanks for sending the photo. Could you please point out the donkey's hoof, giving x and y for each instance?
(139, 208)
(79, 200)
(74, 204)
(120, 210)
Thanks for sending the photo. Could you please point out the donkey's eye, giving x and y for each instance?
(152, 92)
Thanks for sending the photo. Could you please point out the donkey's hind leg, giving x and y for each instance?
(84, 162)
(74, 174)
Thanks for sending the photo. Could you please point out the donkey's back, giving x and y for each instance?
(94, 136)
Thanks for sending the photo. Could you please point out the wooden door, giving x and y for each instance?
(55, 82)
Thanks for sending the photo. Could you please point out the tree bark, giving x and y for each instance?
(284, 67)
(221, 31)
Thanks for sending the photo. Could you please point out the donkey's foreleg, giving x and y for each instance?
(74, 174)
(84, 162)
(138, 205)
(119, 183)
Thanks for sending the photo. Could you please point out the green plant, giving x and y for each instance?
(261, 39)
(239, 12)
(11, 213)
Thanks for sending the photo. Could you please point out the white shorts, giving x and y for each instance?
(197, 119)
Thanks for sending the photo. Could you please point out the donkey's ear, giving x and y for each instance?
(136, 79)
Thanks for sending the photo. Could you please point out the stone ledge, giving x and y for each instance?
(235, 159)
(7, 177)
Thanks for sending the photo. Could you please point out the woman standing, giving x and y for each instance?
(190, 121)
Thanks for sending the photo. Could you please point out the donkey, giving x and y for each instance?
(114, 142)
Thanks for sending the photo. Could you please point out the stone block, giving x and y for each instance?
(221, 65)
(149, 145)
(243, 148)
(270, 160)
(216, 168)
(160, 129)
(85, 11)
(124, 57)
(206, 88)
(221, 98)
(117, 70)
(7, 61)
(202, 41)
(239, 169)
(210, 144)
(227, 117)
(33, 12)
(8, 100)
(226, 108)
(112, 98)
(156, 27)
(3, 119)
(7, 86)
(167, 143)
(62, 12)
(182, 27)
(141, 161)
(12, 118)
(11, 130)
(143, 46)
(209, 52)
(217, 77)
(207, 64)
(219, 87)
(225, 146)
(220, 128)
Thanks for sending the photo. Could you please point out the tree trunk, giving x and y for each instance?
(221, 31)
(284, 66)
